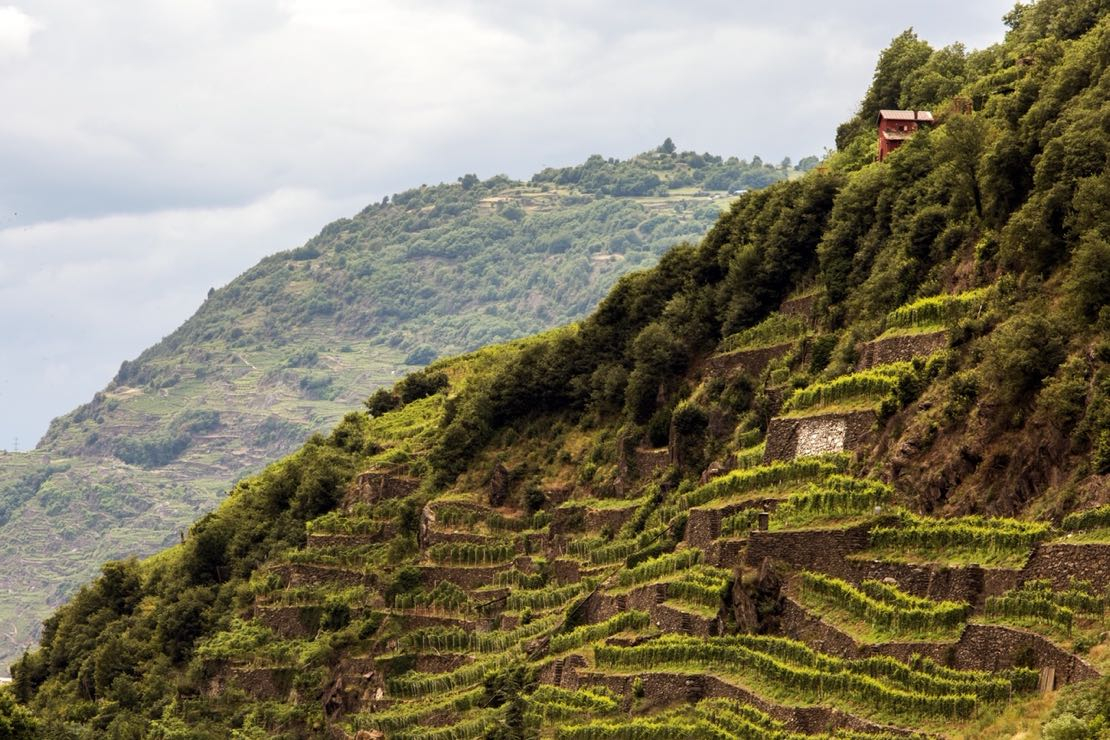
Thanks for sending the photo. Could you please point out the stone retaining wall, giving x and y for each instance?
(813, 549)
(1060, 562)
(663, 687)
(704, 522)
(803, 307)
(789, 436)
(900, 348)
(328, 539)
(646, 462)
(750, 361)
(612, 519)
(296, 575)
(376, 485)
(980, 647)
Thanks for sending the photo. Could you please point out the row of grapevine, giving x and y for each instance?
(921, 616)
(659, 567)
(471, 553)
(703, 585)
(466, 729)
(922, 674)
(1089, 519)
(446, 596)
(969, 532)
(548, 703)
(873, 384)
(450, 515)
(406, 714)
(765, 476)
(519, 579)
(456, 640)
(740, 523)
(1039, 600)
(629, 620)
(416, 684)
(837, 495)
(938, 309)
(547, 598)
(845, 684)
(775, 329)
(642, 728)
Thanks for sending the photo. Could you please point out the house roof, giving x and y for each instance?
(906, 115)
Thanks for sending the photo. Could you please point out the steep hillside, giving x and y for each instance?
(288, 347)
(841, 469)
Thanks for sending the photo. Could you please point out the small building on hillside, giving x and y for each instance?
(895, 126)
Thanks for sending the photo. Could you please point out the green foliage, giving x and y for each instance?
(775, 329)
(975, 533)
(16, 722)
(939, 309)
(469, 553)
(629, 620)
(835, 496)
(1089, 519)
(879, 682)
(1039, 600)
(884, 607)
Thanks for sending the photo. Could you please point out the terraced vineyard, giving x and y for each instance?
(784, 598)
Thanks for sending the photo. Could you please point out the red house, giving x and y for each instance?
(895, 126)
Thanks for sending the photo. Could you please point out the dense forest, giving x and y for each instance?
(592, 502)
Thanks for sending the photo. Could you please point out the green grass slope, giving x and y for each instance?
(292, 344)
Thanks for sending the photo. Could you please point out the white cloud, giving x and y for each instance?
(16, 29)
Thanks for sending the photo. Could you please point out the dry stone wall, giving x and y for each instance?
(816, 549)
(374, 485)
(900, 348)
(1060, 562)
(795, 436)
(750, 361)
(980, 647)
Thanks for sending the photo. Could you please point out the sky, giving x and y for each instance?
(152, 149)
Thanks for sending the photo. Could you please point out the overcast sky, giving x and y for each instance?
(150, 149)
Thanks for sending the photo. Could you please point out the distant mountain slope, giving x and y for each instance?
(289, 346)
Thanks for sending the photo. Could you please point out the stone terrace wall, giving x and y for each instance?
(294, 575)
(465, 577)
(374, 485)
(1060, 562)
(388, 531)
(816, 549)
(750, 361)
(793, 436)
(662, 687)
(803, 307)
(981, 647)
(989, 647)
(900, 348)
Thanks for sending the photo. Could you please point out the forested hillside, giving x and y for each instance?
(839, 469)
(288, 347)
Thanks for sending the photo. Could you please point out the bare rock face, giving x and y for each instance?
(499, 484)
